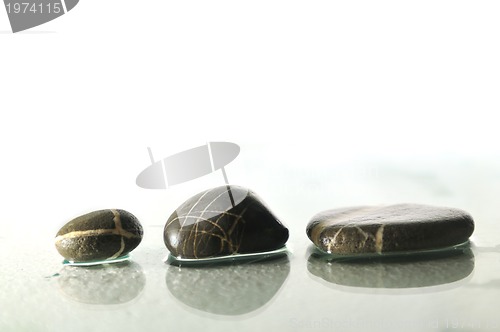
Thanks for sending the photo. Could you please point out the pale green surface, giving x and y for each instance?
(297, 293)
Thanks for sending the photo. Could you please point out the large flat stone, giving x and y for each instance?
(394, 228)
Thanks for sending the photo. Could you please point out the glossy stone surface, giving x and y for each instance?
(395, 228)
(223, 221)
(99, 235)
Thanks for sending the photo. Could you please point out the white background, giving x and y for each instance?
(332, 102)
(305, 82)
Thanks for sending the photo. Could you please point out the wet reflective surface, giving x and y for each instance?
(301, 291)
(398, 272)
(230, 259)
(102, 284)
(97, 263)
(232, 289)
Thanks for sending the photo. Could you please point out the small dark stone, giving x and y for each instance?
(223, 221)
(395, 228)
(99, 235)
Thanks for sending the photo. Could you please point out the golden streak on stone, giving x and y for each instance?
(116, 219)
(118, 230)
(199, 217)
(190, 210)
(366, 236)
(334, 239)
(208, 225)
(96, 232)
(195, 229)
(379, 239)
(238, 218)
(343, 218)
(122, 248)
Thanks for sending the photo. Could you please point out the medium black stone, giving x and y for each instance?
(395, 228)
(99, 235)
(223, 221)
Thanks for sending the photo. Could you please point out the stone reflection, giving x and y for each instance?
(232, 289)
(102, 284)
(414, 271)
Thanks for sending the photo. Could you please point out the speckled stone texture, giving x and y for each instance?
(223, 221)
(395, 228)
(99, 235)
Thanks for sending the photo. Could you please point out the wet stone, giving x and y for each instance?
(389, 229)
(223, 221)
(99, 235)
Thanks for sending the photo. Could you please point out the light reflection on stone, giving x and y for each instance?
(102, 284)
(232, 289)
